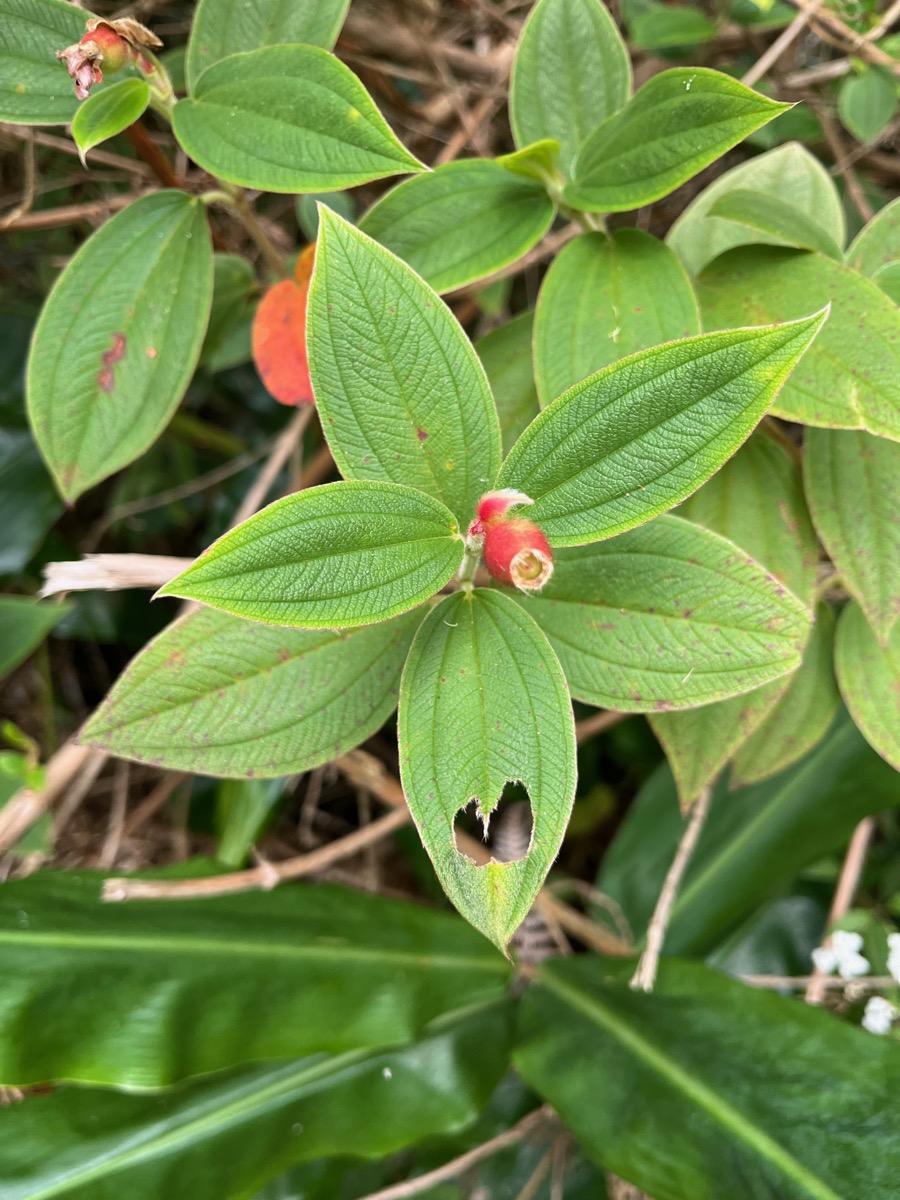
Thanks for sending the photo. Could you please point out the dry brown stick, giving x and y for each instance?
(832, 29)
(27, 805)
(50, 141)
(835, 144)
(76, 794)
(28, 192)
(798, 983)
(848, 882)
(364, 770)
(523, 1129)
(113, 840)
(535, 1180)
(781, 43)
(891, 14)
(544, 249)
(152, 803)
(265, 876)
(597, 722)
(68, 214)
(645, 975)
(485, 108)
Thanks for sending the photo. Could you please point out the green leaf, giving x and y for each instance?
(110, 993)
(853, 487)
(700, 742)
(888, 279)
(224, 27)
(118, 339)
(222, 696)
(667, 616)
(244, 807)
(34, 86)
(787, 224)
(538, 161)
(233, 282)
(233, 1133)
(505, 354)
(878, 243)
(307, 207)
(23, 626)
(754, 843)
(107, 113)
(642, 434)
(757, 501)
(329, 557)
(867, 103)
(802, 716)
(483, 702)
(665, 27)
(869, 677)
(288, 119)
(22, 473)
(851, 378)
(709, 1088)
(571, 71)
(601, 300)
(400, 390)
(675, 125)
(461, 222)
(789, 173)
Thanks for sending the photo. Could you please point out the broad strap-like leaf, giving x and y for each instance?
(869, 678)
(667, 616)
(851, 377)
(330, 557)
(704, 1089)
(401, 392)
(460, 222)
(757, 501)
(570, 73)
(853, 487)
(676, 124)
(230, 1134)
(505, 353)
(638, 437)
(288, 119)
(483, 703)
(224, 27)
(777, 217)
(34, 86)
(788, 173)
(118, 339)
(108, 112)
(600, 301)
(299, 970)
(755, 841)
(802, 716)
(222, 696)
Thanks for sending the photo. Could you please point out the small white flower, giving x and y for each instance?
(824, 959)
(893, 962)
(878, 1016)
(844, 942)
(842, 955)
(851, 966)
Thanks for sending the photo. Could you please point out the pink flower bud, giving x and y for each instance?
(108, 44)
(494, 505)
(517, 552)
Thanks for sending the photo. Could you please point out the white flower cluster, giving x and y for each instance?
(843, 956)
(893, 963)
(879, 1015)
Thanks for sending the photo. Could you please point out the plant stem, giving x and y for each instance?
(466, 574)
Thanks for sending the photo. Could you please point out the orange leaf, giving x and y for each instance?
(279, 336)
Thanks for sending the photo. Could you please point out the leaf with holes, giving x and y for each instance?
(571, 71)
(400, 391)
(604, 298)
(224, 27)
(288, 119)
(331, 557)
(869, 678)
(107, 113)
(675, 125)
(222, 696)
(667, 616)
(118, 339)
(483, 702)
(638, 437)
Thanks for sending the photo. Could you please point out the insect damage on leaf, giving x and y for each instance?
(106, 380)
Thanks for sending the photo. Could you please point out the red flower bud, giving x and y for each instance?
(517, 552)
(110, 44)
(494, 505)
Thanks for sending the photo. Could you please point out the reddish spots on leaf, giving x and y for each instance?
(421, 434)
(151, 352)
(279, 336)
(106, 380)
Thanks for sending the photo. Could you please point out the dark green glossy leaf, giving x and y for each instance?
(708, 1088)
(483, 702)
(667, 616)
(604, 298)
(118, 339)
(675, 125)
(244, 807)
(224, 27)
(772, 215)
(107, 113)
(34, 86)
(288, 119)
(22, 473)
(227, 697)
(869, 676)
(23, 626)
(233, 282)
(329, 557)
(755, 841)
(571, 72)
(460, 222)
(401, 392)
(233, 1133)
(141, 994)
(642, 434)
(505, 354)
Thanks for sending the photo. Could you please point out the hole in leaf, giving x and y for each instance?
(506, 829)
